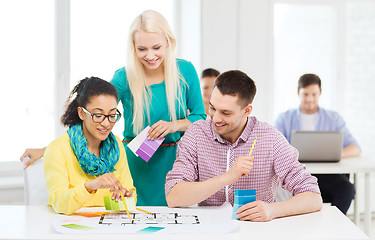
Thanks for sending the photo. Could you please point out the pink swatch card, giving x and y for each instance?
(143, 147)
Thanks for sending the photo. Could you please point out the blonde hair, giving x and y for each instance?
(152, 21)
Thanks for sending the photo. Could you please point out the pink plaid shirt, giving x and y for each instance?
(202, 154)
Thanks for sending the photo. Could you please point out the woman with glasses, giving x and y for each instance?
(158, 90)
(88, 162)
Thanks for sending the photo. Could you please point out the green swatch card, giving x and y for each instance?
(76, 226)
(111, 204)
(150, 229)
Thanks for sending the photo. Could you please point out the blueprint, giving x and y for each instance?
(163, 220)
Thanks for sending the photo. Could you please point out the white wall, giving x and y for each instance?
(188, 31)
(237, 34)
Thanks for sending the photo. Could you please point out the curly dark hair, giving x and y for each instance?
(81, 95)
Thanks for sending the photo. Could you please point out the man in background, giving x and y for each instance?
(335, 188)
(208, 78)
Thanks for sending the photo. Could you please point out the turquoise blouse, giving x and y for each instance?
(149, 177)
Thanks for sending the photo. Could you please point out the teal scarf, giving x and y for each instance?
(91, 164)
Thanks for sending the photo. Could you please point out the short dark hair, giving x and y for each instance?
(210, 72)
(236, 83)
(80, 96)
(309, 79)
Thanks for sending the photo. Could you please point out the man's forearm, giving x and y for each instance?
(185, 194)
(305, 202)
(351, 151)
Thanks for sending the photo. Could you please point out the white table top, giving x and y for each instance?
(346, 165)
(34, 222)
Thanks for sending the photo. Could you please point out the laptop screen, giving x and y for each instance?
(318, 146)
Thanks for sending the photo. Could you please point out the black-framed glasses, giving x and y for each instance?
(99, 117)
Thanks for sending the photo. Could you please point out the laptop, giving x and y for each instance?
(318, 146)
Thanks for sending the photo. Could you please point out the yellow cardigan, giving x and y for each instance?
(65, 178)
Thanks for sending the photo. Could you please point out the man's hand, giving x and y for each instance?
(257, 211)
(241, 167)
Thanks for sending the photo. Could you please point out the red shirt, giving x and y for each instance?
(202, 154)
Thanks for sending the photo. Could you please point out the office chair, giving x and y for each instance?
(35, 189)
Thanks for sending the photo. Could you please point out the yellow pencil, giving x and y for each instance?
(251, 150)
(144, 211)
(126, 207)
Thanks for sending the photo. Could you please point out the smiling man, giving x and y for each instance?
(335, 188)
(213, 159)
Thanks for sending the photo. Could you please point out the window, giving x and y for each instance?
(99, 34)
(27, 77)
(98, 45)
(304, 42)
(358, 105)
(333, 39)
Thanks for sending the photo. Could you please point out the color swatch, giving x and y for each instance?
(90, 214)
(150, 229)
(143, 147)
(242, 197)
(76, 226)
(111, 204)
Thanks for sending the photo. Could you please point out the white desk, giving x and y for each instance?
(35, 222)
(355, 166)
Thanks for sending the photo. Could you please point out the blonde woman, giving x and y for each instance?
(158, 90)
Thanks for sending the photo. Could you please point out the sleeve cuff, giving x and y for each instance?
(193, 118)
(170, 184)
(82, 194)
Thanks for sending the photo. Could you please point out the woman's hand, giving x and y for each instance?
(128, 193)
(34, 154)
(106, 181)
(125, 192)
(160, 129)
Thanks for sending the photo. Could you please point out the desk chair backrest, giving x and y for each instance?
(35, 189)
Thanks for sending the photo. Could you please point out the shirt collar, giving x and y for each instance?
(299, 111)
(244, 135)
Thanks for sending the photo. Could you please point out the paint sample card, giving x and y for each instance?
(130, 203)
(90, 214)
(76, 226)
(72, 219)
(150, 229)
(242, 197)
(138, 140)
(143, 147)
(244, 192)
(111, 204)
